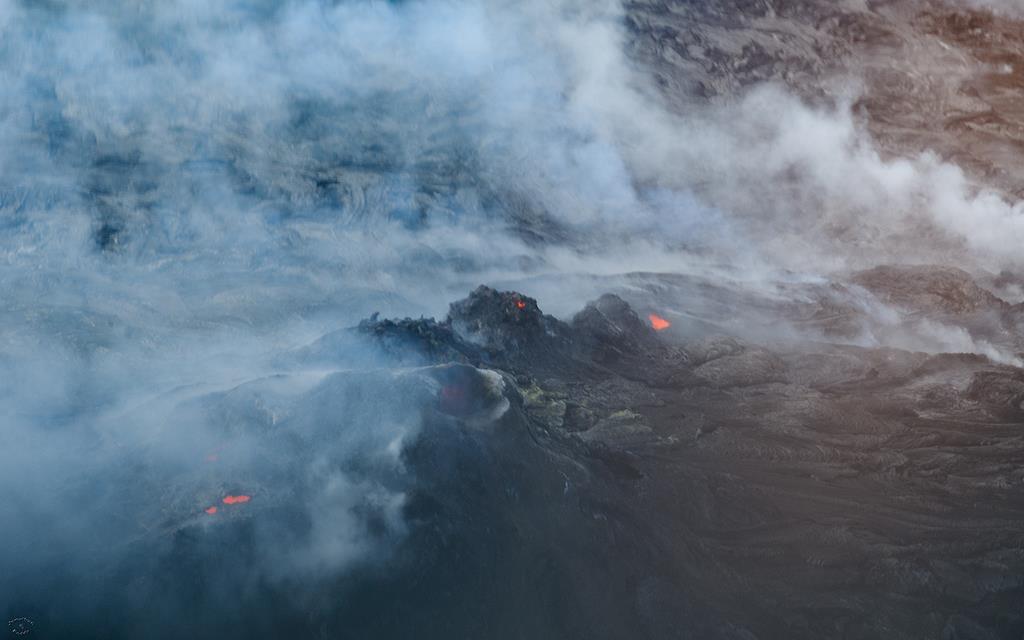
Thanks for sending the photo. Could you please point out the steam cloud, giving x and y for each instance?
(188, 189)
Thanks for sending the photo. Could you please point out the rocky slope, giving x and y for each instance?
(599, 479)
(714, 488)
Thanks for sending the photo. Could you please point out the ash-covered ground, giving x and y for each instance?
(474, 319)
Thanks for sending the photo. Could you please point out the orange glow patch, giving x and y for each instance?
(659, 323)
(211, 510)
(452, 393)
(520, 304)
(453, 400)
(235, 499)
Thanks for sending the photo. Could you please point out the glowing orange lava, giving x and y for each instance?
(520, 304)
(211, 510)
(659, 323)
(235, 499)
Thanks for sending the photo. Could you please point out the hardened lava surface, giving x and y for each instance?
(590, 478)
(646, 484)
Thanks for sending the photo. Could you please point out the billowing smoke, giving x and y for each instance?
(353, 146)
(190, 189)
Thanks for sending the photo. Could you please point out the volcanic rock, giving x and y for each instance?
(608, 329)
(929, 289)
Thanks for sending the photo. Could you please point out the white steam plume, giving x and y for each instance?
(189, 188)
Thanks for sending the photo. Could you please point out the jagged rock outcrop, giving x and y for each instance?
(929, 289)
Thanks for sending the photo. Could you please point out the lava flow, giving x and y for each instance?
(659, 323)
(211, 510)
(235, 499)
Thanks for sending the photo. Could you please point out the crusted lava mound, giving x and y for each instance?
(929, 289)
(640, 486)
(583, 479)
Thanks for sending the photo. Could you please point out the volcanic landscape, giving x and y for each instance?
(548, 319)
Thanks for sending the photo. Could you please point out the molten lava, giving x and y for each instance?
(520, 304)
(211, 510)
(659, 323)
(235, 499)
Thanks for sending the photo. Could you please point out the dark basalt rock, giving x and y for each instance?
(608, 329)
(422, 340)
(712, 472)
(717, 488)
(929, 289)
(508, 327)
(1003, 391)
(487, 328)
